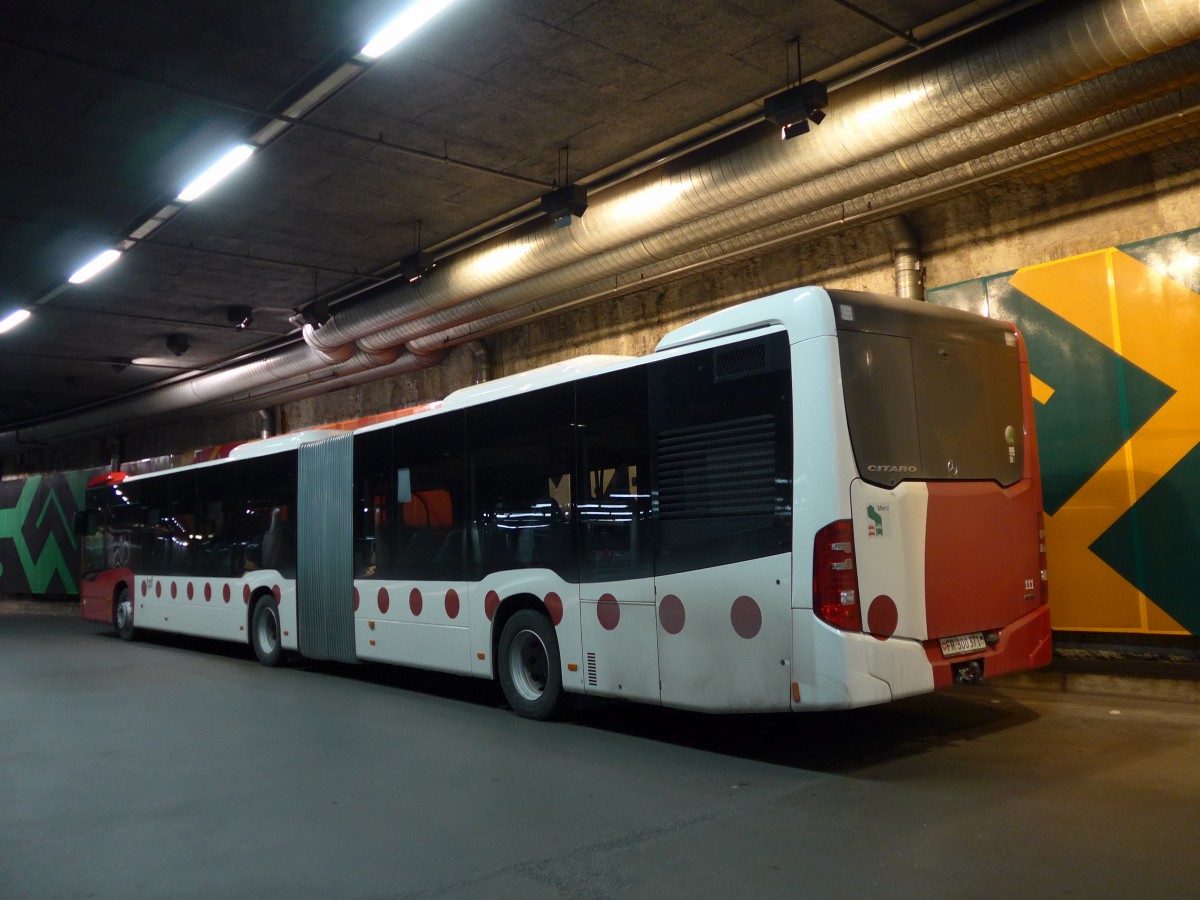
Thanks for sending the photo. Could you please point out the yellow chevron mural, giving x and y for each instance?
(1113, 341)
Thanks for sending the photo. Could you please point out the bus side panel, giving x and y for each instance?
(619, 627)
(831, 667)
(413, 624)
(823, 461)
(97, 594)
(724, 636)
(559, 600)
(205, 607)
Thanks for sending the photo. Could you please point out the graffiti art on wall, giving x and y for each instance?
(39, 554)
(1112, 339)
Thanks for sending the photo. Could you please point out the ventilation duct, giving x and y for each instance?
(1060, 78)
(919, 101)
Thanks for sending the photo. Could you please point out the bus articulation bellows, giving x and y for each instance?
(816, 500)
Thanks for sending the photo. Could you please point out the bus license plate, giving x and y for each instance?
(963, 643)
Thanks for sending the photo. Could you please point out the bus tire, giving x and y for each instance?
(265, 632)
(123, 615)
(529, 668)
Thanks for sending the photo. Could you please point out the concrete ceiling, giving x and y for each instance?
(108, 107)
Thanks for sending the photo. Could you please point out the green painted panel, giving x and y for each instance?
(1099, 400)
(1154, 544)
(38, 549)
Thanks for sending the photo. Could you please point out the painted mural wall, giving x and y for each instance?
(1114, 348)
(39, 553)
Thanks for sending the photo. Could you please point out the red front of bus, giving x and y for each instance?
(104, 566)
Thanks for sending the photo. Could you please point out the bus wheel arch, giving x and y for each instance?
(123, 613)
(527, 659)
(266, 635)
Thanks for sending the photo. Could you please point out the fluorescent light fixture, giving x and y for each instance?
(215, 173)
(13, 319)
(414, 16)
(95, 267)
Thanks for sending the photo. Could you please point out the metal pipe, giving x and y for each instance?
(932, 117)
(268, 422)
(481, 361)
(906, 257)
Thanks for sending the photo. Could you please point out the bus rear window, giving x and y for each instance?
(933, 404)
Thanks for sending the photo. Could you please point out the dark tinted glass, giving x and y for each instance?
(427, 531)
(118, 519)
(218, 508)
(722, 429)
(923, 408)
(521, 455)
(612, 492)
(374, 505)
(268, 525)
(151, 501)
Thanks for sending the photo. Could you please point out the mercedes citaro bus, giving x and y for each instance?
(816, 500)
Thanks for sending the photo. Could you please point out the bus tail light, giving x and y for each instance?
(835, 580)
(1045, 573)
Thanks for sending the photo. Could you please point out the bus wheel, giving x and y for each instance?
(123, 615)
(264, 631)
(530, 675)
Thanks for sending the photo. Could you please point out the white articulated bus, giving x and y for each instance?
(816, 500)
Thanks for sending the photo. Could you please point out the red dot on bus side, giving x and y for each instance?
(207, 592)
(671, 614)
(277, 592)
(382, 600)
(174, 590)
(158, 589)
(608, 611)
(246, 594)
(882, 617)
(491, 602)
(191, 590)
(356, 599)
(144, 587)
(226, 593)
(745, 617)
(415, 601)
(554, 607)
(452, 604)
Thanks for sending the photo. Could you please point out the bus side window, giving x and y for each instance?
(429, 536)
(723, 454)
(521, 451)
(268, 524)
(373, 503)
(612, 493)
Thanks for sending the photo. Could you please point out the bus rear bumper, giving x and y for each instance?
(1021, 645)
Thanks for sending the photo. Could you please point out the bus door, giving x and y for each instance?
(613, 513)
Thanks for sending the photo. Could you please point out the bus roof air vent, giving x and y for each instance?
(743, 359)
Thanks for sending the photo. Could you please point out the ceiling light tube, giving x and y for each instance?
(95, 267)
(215, 173)
(401, 27)
(13, 319)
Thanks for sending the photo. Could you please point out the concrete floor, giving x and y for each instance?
(172, 767)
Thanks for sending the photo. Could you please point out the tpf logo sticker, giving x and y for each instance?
(879, 526)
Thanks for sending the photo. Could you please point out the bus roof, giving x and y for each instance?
(544, 376)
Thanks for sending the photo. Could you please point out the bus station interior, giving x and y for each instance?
(523, 183)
